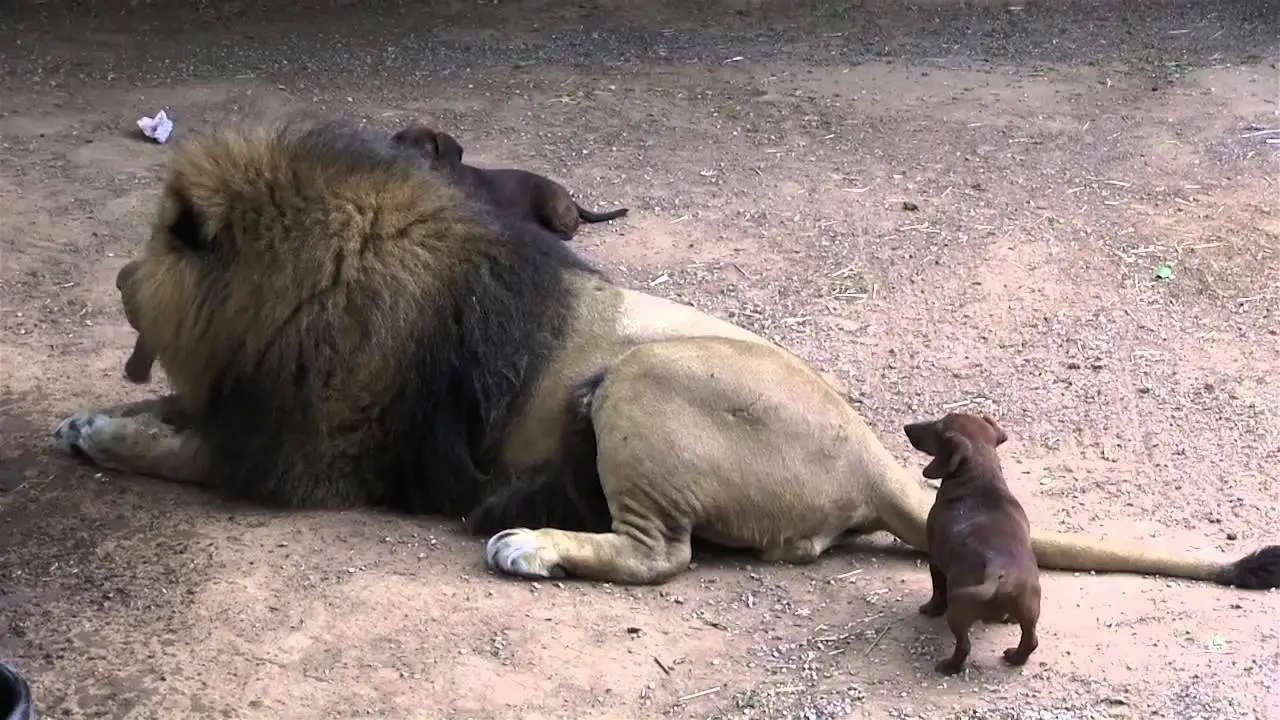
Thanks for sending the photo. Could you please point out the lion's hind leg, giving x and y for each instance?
(142, 437)
(801, 551)
(622, 556)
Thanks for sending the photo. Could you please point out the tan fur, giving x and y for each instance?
(703, 428)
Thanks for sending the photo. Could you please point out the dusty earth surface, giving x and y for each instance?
(943, 205)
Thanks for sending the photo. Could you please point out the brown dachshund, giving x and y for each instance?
(525, 194)
(980, 556)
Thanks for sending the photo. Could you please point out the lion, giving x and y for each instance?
(342, 326)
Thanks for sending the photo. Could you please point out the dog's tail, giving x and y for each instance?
(562, 493)
(595, 217)
(978, 593)
(905, 502)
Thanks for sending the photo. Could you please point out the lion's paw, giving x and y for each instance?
(84, 435)
(517, 552)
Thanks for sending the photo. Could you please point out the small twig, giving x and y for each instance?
(876, 642)
(842, 576)
(664, 668)
(1256, 133)
(700, 693)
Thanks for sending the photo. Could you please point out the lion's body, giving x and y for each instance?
(341, 326)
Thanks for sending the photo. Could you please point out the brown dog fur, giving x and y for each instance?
(523, 193)
(980, 557)
(341, 326)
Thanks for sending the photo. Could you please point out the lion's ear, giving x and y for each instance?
(188, 227)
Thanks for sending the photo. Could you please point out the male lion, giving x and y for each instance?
(342, 326)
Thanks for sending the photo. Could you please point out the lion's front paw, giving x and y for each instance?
(85, 435)
(518, 552)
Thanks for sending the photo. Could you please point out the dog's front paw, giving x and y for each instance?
(1018, 656)
(86, 435)
(517, 552)
(949, 666)
(933, 608)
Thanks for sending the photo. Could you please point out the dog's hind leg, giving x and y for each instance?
(960, 617)
(1028, 614)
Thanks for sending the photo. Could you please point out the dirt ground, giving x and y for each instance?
(944, 205)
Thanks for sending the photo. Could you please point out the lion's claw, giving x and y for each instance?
(515, 551)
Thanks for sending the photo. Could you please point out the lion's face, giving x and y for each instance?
(166, 295)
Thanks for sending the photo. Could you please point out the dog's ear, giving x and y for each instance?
(430, 143)
(953, 449)
(946, 448)
(418, 138)
(448, 149)
(1001, 435)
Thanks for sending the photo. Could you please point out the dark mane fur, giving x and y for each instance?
(563, 492)
(477, 352)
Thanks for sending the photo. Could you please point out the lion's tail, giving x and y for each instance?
(1259, 570)
(906, 504)
(563, 493)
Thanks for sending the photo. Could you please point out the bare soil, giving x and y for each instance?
(945, 205)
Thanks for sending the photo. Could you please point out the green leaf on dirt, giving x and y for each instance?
(1164, 271)
(1217, 642)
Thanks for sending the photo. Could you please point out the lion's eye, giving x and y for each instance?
(188, 227)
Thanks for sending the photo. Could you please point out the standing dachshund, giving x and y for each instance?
(980, 556)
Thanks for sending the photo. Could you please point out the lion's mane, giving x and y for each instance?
(342, 324)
